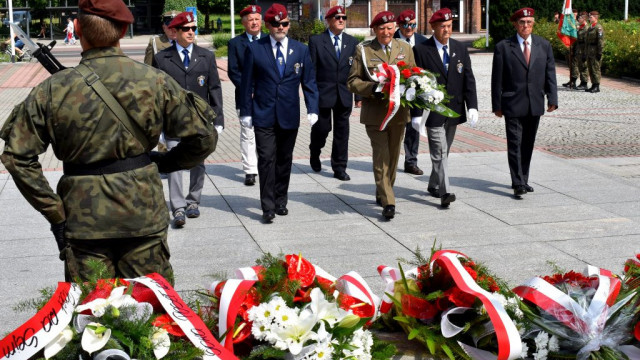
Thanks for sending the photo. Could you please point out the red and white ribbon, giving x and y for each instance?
(44, 326)
(354, 285)
(393, 74)
(390, 275)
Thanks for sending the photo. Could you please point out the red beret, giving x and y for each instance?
(406, 16)
(181, 19)
(251, 9)
(336, 10)
(594, 13)
(382, 18)
(276, 12)
(524, 12)
(443, 14)
(114, 10)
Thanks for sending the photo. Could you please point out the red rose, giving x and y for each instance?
(406, 73)
(460, 298)
(300, 269)
(418, 308)
(166, 322)
(401, 63)
(416, 70)
(356, 306)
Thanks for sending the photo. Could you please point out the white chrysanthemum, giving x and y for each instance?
(541, 354)
(276, 306)
(323, 351)
(285, 317)
(554, 344)
(525, 351)
(259, 314)
(541, 340)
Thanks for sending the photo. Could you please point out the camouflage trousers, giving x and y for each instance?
(593, 64)
(579, 68)
(123, 257)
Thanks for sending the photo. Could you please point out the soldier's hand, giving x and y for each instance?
(58, 234)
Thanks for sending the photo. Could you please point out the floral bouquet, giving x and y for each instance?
(142, 318)
(454, 306)
(411, 87)
(579, 316)
(632, 281)
(288, 308)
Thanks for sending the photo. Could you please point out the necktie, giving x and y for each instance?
(445, 58)
(255, 37)
(280, 59)
(336, 45)
(526, 52)
(186, 58)
(408, 40)
(387, 50)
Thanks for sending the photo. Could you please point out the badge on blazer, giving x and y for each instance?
(297, 67)
(400, 57)
(375, 59)
(280, 61)
(459, 67)
(350, 60)
(201, 79)
(290, 51)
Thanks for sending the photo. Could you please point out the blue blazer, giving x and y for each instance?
(237, 47)
(277, 99)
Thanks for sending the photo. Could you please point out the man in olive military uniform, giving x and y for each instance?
(385, 143)
(158, 43)
(579, 65)
(594, 45)
(571, 59)
(102, 118)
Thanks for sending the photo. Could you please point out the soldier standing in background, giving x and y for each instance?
(594, 46)
(579, 65)
(572, 61)
(109, 206)
(160, 42)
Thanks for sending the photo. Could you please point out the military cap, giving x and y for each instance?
(170, 14)
(336, 10)
(276, 12)
(524, 12)
(584, 13)
(594, 13)
(382, 18)
(181, 19)
(443, 14)
(251, 9)
(406, 16)
(114, 10)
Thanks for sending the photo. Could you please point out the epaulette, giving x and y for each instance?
(365, 43)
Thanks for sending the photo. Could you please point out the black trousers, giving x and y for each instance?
(320, 130)
(411, 143)
(274, 146)
(521, 136)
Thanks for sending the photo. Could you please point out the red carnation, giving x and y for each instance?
(166, 322)
(401, 63)
(406, 73)
(356, 306)
(473, 273)
(300, 269)
(459, 298)
(418, 308)
(416, 70)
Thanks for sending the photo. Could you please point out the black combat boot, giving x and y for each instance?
(582, 86)
(571, 84)
(595, 88)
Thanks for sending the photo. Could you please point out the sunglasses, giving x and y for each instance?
(187, 28)
(276, 24)
(406, 26)
(338, 17)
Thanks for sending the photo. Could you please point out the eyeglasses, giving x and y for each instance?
(406, 26)
(338, 17)
(276, 24)
(525, 22)
(187, 28)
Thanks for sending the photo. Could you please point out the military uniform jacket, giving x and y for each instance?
(579, 47)
(201, 77)
(331, 72)
(277, 99)
(237, 47)
(359, 82)
(161, 42)
(594, 40)
(517, 89)
(64, 112)
(459, 80)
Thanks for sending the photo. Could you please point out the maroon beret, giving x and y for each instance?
(276, 12)
(181, 19)
(406, 16)
(382, 18)
(524, 12)
(251, 9)
(443, 14)
(114, 10)
(336, 10)
(594, 13)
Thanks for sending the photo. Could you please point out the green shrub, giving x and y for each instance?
(481, 43)
(303, 29)
(359, 37)
(219, 40)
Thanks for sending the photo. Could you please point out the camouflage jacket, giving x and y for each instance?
(595, 40)
(65, 112)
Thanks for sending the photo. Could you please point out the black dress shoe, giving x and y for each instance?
(434, 192)
(447, 199)
(342, 176)
(314, 161)
(519, 190)
(250, 179)
(282, 210)
(268, 216)
(528, 188)
(412, 169)
(389, 211)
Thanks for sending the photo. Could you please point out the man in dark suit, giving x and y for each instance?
(450, 60)
(195, 69)
(332, 55)
(274, 68)
(252, 23)
(524, 71)
(406, 21)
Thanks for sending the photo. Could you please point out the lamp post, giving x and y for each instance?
(487, 21)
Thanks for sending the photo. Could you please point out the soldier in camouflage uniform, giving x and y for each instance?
(109, 205)
(579, 66)
(158, 43)
(594, 45)
(571, 60)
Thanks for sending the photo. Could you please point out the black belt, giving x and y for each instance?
(107, 166)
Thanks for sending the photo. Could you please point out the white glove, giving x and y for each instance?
(473, 117)
(219, 129)
(415, 123)
(246, 121)
(313, 118)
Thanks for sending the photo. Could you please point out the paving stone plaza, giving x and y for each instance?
(585, 208)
